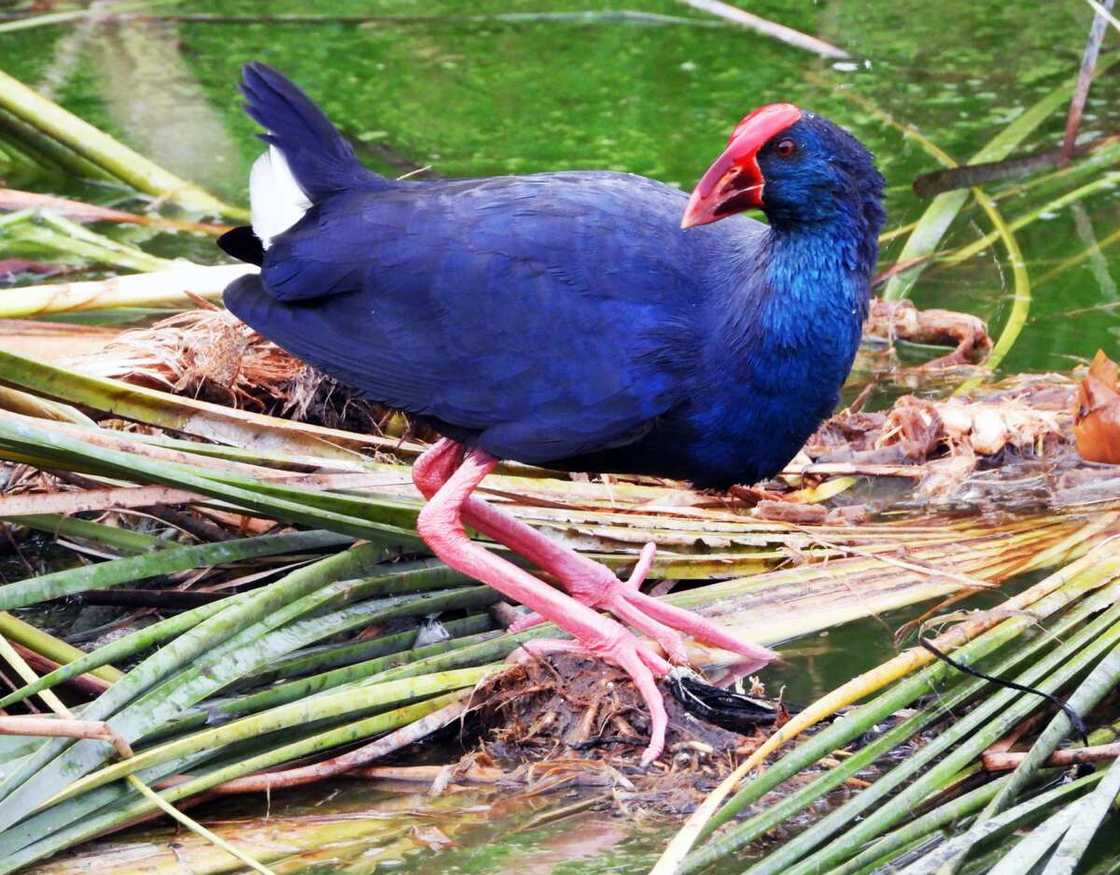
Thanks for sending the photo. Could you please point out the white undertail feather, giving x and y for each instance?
(275, 199)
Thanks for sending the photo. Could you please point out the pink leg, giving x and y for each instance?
(672, 642)
(440, 524)
(589, 582)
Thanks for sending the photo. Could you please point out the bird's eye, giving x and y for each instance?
(786, 148)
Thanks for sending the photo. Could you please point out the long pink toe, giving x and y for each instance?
(700, 628)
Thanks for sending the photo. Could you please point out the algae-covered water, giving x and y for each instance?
(649, 86)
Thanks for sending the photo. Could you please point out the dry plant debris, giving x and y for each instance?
(1096, 419)
(901, 320)
(586, 719)
(206, 354)
(1019, 428)
(209, 354)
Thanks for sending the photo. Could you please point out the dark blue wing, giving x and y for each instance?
(549, 315)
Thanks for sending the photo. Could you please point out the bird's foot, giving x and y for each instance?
(634, 656)
(596, 586)
(447, 476)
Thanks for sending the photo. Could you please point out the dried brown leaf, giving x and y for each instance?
(1096, 416)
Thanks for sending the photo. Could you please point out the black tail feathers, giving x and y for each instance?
(243, 245)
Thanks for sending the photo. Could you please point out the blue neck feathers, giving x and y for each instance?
(805, 290)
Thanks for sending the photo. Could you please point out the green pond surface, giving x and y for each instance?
(649, 86)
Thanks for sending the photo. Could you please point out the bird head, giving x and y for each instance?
(795, 166)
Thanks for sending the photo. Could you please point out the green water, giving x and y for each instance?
(488, 96)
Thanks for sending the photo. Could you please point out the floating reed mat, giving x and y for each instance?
(275, 673)
(1077, 611)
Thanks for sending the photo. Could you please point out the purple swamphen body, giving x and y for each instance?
(586, 321)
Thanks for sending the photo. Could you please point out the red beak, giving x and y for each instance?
(734, 182)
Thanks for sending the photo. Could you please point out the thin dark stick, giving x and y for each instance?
(88, 683)
(1085, 78)
(616, 16)
(171, 600)
(1074, 718)
(950, 178)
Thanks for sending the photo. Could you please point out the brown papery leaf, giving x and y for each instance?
(1096, 418)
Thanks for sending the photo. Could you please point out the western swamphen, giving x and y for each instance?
(573, 320)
